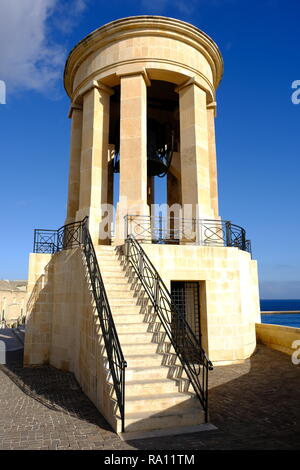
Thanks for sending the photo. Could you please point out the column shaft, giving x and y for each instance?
(133, 150)
(212, 160)
(94, 159)
(195, 176)
(74, 167)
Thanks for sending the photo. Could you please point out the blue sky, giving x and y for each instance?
(257, 125)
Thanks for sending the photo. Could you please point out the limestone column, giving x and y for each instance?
(74, 167)
(133, 151)
(94, 159)
(211, 112)
(194, 152)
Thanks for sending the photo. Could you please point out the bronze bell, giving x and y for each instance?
(160, 146)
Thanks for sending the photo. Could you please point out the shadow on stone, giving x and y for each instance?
(56, 390)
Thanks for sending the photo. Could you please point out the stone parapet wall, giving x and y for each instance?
(278, 337)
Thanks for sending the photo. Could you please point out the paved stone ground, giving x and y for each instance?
(255, 405)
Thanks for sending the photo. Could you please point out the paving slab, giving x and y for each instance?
(254, 405)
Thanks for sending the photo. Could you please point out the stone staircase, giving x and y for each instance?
(157, 394)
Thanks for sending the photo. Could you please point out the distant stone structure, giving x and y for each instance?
(13, 296)
(158, 290)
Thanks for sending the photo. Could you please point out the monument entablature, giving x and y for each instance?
(164, 48)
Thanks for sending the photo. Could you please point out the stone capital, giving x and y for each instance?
(213, 106)
(142, 72)
(72, 107)
(190, 82)
(90, 86)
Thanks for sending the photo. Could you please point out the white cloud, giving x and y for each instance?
(67, 14)
(29, 59)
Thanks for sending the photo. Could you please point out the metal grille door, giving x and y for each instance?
(185, 295)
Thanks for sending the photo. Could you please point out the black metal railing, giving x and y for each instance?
(51, 241)
(188, 349)
(176, 230)
(71, 236)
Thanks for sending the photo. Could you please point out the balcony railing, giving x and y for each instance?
(51, 241)
(173, 230)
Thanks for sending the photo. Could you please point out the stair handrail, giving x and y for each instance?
(77, 234)
(187, 347)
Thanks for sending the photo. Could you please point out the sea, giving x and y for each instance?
(287, 319)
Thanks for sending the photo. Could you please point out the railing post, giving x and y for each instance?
(228, 233)
(34, 241)
(244, 240)
(198, 231)
(156, 289)
(140, 267)
(126, 225)
(124, 365)
(205, 367)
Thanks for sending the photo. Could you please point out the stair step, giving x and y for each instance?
(123, 302)
(123, 286)
(143, 373)
(114, 277)
(150, 387)
(125, 318)
(109, 251)
(149, 420)
(157, 402)
(138, 348)
(144, 360)
(130, 313)
(109, 262)
(118, 299)
(105, 247)
(130, 328)
(136, 338)
(139, 327)
(130, 306)
(111, 269)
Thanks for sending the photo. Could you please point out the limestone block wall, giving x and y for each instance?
(229, 295)
(63, 304)
(278, 337)
(148, 48)
(39, 309)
